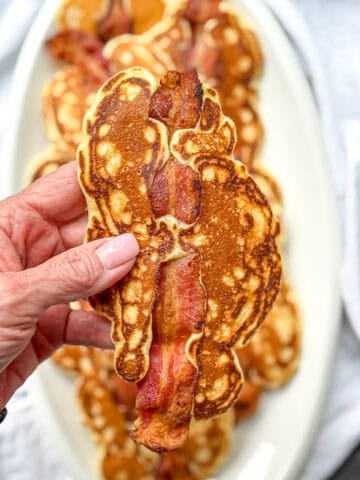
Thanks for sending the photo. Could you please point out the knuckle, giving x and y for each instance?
(80, 270)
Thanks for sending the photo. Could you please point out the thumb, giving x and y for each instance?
(80, 272)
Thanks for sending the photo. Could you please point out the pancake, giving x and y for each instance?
(84, 361)
(82, 15)
(270, 188)
(248, 399)
(46, 163)
(145, 15)
(107, 421)
(159, 49)
(156, 161)
(203, 453)
(274, 352)
(66, 97)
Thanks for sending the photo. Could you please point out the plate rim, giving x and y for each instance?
(265, 18)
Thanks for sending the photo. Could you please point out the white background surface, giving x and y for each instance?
(336, 33)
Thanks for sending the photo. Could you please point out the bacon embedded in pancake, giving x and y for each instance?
(115, 21)
(177, 101)
(176, 191)
(122, 153)
(82, 50)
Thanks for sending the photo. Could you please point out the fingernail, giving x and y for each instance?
(118, 250)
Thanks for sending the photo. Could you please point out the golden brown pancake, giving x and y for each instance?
(82, 15)
(145, 15)
(204, 452)
(274, 352)
(46, 163)
(248, 399)
(66, 97)
(270, 188)
(159, 49)
(181, 313)
(78, 360)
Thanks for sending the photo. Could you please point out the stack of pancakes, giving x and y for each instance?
(96, 40)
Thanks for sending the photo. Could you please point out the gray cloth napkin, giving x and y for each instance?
(328, 47)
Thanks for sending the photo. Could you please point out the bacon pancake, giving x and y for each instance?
(181, 298)
(66, 97)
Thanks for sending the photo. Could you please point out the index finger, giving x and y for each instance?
(57, 197)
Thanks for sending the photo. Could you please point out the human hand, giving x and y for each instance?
(43, 267)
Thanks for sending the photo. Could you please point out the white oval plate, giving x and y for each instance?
(274, 444)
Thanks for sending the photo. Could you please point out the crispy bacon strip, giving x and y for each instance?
(177, 101)
(176, 191)
(165, 396)
(81, 49)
